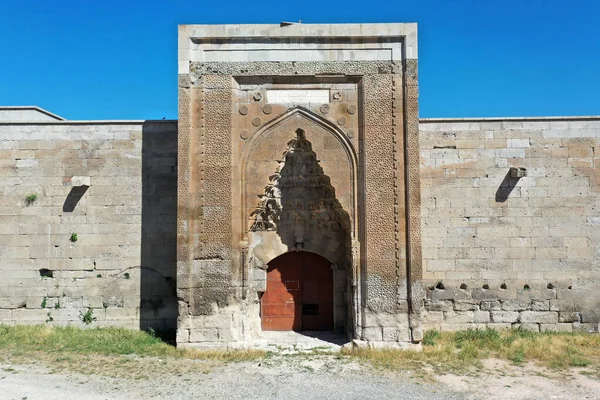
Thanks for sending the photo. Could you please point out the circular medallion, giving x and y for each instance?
(351, 109)
(350, 133)
(256, 121)
(257, 96)
(337, 96)
(243, 110)
(267, 109)
(325, 108)
(244, 135)
(341, 121)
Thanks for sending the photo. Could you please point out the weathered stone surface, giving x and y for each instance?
(540, 305)
(544, 317)
(480, 317)
(504, 316)
(491, 305)
(569, 316)
(465, 306)
(527, 327)
(114, 186)
(516, 305)
(441, 305)
(556, 327)
(526, 242)
(465, 317)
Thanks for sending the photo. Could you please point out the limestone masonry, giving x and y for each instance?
(299, 190)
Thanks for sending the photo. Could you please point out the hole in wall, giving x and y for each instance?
(550, 286)
(486, 286)
(463, 286)
(526, 287)
(503, 286)
(570, 287)
(45, 273)
(440, 286)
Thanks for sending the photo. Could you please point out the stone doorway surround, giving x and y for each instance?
(244, 92)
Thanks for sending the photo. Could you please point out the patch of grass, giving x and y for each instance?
(73, 237)
(430, 337)
(463, 351)
(88, 316)
(31, 198)
(69, 341)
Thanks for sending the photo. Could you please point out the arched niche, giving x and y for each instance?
(262, 159)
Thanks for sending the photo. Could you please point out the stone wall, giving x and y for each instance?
(120, 271)
(502, 251)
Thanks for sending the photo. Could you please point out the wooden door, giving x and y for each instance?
(299, 294)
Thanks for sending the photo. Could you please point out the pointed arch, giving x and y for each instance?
(329, 126)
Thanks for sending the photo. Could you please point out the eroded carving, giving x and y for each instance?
(299, 196)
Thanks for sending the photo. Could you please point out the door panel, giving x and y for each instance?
(299, 293)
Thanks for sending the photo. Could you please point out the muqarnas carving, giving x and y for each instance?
(299, 196)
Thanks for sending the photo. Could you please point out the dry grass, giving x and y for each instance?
(461, 352)
(108, 351)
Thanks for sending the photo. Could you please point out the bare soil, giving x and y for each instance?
(296, 376)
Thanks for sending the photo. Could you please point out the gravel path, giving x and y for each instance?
(322, 377)
(290, 377)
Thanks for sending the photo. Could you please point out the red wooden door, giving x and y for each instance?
(299, 294)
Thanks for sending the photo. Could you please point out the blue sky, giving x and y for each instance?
(105, 59)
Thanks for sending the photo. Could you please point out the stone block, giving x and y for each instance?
(563, 305)
(5, 315)
(463, 317)
(480, 317)
(37, 302)
(465, 306)
(417, 334)
(504, 316)
(396, 335)
(516, 305)
(30, 315)
(440, 305)
(493, 294)
(432, 317)
(499, 325)
(490, 305)
(542, 317)
(204, 335)
(540, 305)
(533, 294)
(447, 294)
(460, 327)
(569, 316)
(372, 333)
(556, 327)
(228, 334)
(585, 327)
(527, 327)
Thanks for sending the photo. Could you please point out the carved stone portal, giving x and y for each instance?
(346, 187)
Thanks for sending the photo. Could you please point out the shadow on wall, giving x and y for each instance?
(506, 187)
(300, 205)
(158, 271)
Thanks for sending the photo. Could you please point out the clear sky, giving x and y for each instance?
(106, 59)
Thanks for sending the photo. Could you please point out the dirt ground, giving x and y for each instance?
(281, 377)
